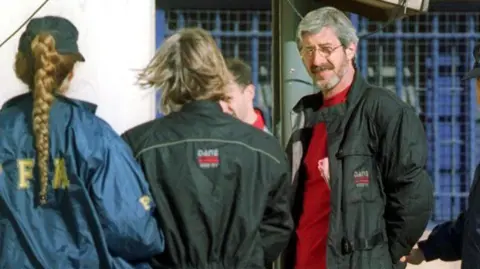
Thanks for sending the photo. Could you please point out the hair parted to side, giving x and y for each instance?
(44, 71)
(331, 17)
(241, 71)
(187, 67)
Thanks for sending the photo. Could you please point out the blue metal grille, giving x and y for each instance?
(421, 58)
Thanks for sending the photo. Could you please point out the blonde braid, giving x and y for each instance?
(46, 58)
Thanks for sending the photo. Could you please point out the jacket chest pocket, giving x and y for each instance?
(360, 178)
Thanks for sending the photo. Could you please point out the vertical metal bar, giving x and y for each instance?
(364, 50)
(286, 64)
(180, 19)
(472, 101)
(160, 27)
(453, 139)
(380, 72)
(380, 65)
(200, 21)
(435, 114)
(236, 48)
(355, 21)
(160, 32)
(417, 73)
(296, 82)
(399, 60)
(218, 29)
(276, 69)
(255, 49)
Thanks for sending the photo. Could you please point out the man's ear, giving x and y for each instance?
(351, 51)
(226, 107)
(250, 90)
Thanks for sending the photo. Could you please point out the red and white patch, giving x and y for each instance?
(324, 170)
(361, 178)
(208, 158)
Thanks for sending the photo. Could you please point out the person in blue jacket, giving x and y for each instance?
(71, 193)
(457, 239)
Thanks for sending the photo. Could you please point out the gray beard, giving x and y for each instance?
(329, 85)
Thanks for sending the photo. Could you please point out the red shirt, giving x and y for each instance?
(312, 230)
(259, 122)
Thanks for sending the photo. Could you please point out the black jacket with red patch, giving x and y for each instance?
(222, 188)
(381, 195)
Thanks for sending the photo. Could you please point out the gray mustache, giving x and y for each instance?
(320, 68)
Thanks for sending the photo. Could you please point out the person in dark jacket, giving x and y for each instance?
(222, 186)
(358, 153)
(71, 194)
(457, 239)
(242, 94)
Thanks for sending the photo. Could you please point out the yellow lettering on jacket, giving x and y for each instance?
(146, 202)
(25, 174)
(60, 181)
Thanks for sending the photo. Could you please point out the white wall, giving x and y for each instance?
(116, 37)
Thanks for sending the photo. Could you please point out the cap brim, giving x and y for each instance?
(474, 73)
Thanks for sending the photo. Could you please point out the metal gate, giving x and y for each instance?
(421, 58)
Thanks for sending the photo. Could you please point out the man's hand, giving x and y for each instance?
(415, 257)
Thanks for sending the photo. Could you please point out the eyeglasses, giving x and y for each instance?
(324, 51)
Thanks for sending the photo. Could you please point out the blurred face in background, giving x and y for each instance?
(241, 100)
(242, 90)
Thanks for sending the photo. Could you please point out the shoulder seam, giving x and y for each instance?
(191, 140)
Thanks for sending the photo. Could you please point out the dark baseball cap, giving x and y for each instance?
(64, 32)
(475, 72)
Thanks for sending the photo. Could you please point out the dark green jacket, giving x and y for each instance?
(222, 189)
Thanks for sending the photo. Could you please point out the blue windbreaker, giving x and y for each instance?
(98, 212)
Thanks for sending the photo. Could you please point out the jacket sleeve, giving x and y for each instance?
(277, 223)
(122, 199)
(408, 189)
(445, 241)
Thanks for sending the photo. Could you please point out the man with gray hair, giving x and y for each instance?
(362, 199)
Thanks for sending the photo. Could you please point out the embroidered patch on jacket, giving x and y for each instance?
(146, 202)
(208, 158)
(361, 178)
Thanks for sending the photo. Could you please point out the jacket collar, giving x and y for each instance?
(17, 100)
(202, 105)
